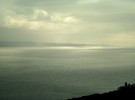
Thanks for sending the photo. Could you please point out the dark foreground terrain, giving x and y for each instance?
(126, 92)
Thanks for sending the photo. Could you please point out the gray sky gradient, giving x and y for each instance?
(108, 22)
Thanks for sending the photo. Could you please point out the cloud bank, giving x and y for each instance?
(108, 22)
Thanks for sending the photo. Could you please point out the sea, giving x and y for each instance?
(41, 73)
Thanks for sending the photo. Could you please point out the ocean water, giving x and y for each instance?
(61, 73)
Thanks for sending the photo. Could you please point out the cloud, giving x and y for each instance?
(83, 21)
(122, 39)
(40, 14)
(39, 19)
(83, 2)
(51, 5)
(63, 18)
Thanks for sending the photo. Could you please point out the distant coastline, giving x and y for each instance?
(29, 43)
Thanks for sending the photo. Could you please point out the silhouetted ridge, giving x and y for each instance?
(127, 91)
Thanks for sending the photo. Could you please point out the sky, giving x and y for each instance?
(107, 22)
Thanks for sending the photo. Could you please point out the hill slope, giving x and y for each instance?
(127, 91)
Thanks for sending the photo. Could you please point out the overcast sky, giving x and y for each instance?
(110, 22)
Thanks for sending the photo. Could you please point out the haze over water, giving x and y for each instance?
(58, 74)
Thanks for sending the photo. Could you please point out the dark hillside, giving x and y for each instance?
(127, 91)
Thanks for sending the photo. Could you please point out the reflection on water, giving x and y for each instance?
(57, 74)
